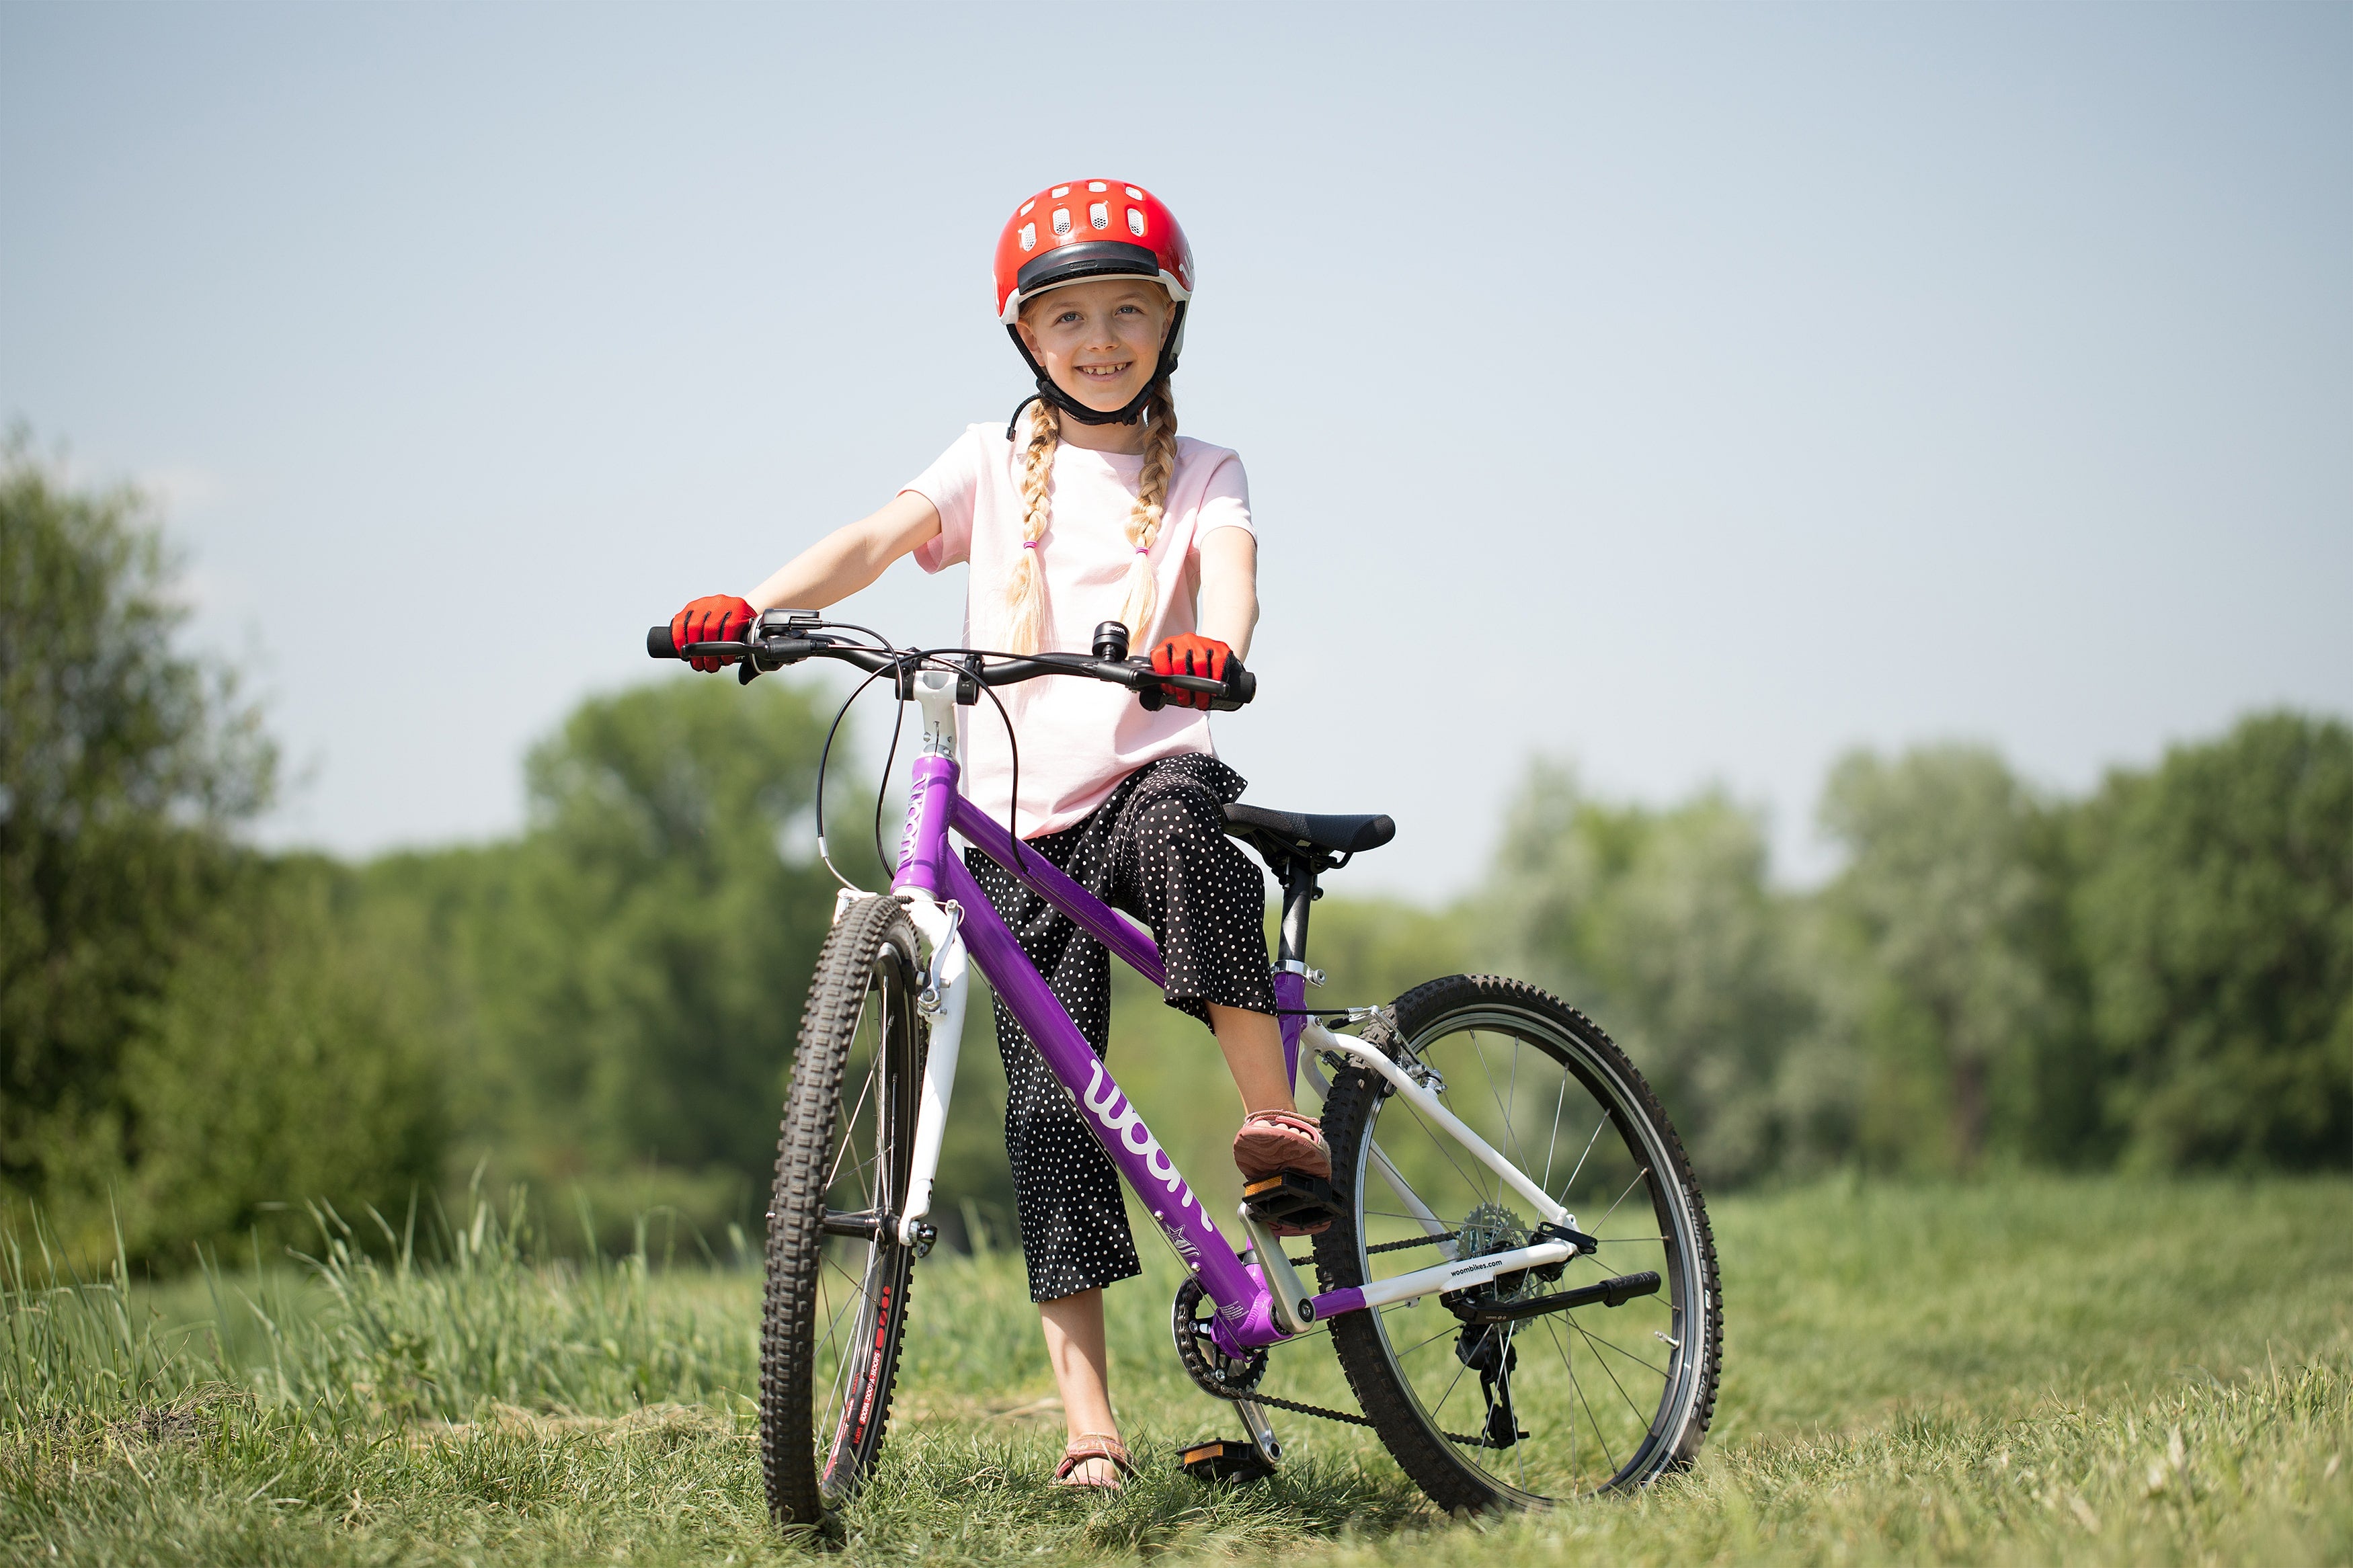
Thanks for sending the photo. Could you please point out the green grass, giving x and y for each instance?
(2039, 1371)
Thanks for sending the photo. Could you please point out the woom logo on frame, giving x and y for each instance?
(1110, 1107)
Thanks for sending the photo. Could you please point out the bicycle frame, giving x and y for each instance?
(1256, 1304)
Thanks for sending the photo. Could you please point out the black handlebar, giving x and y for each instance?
(774, 652)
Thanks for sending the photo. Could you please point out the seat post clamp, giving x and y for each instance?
(1292, 966)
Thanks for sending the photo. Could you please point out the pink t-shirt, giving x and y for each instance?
(1079, 738)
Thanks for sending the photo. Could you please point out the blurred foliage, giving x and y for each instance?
(1661, 926)
(2161, 974)
(1935, 964)
(122, 764)
(2215, 914)
(289, 1054)
(622, 986)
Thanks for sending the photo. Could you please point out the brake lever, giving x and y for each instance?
(1151, 689)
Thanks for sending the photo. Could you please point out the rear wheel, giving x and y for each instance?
(1552, 1404)
(837, 1286)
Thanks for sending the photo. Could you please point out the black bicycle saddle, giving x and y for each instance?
(1295, 835)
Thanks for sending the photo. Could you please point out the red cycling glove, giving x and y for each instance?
(1191, 654)
(715, 617)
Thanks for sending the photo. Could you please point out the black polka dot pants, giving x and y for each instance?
(1158, 850)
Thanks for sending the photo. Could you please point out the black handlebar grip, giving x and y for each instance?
(1246, 686)
(658, 644)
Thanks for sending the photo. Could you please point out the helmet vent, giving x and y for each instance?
(1136, 221)
(1133, 193)
(1061, 220)
(1099, 215)
(1028, 236)
(1026, 206)
(1097, 185)
(1059, 192)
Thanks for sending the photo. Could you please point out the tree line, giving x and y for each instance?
(197, 1037)
(2157, 975)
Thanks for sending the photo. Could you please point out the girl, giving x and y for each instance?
(1099, 512)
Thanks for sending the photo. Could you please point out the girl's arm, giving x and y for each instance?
(851, 557)
(1228, 603)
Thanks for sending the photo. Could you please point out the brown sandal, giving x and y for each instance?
(1273, 1140)
(1088, 1446)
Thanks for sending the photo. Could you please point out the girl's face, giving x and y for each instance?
(1100, 340)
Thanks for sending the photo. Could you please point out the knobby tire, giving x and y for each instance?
(834, 1321)
(1439, 1461)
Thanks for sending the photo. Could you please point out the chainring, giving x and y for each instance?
(1215, 1372)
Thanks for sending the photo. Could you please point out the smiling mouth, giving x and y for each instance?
(1105, 372)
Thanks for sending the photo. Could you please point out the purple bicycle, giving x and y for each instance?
(1517, 1276)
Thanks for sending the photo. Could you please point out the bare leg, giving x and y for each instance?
(1253, 1046)
(1075, 1349)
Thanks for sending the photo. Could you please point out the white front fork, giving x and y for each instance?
(948, 980)
(942, 1001)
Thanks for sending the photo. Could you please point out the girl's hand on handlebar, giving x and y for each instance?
(1193, 653)
(715, 617)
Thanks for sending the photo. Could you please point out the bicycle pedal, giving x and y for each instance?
(1289, 1198)
(1226, 1459)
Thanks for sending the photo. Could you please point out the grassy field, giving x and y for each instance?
(2088, 1372)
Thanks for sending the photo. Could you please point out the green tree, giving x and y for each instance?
(1938, 954)
(1660, 924)
(288, 1058)
(122, 764)
(622, 988)
(2215, 917)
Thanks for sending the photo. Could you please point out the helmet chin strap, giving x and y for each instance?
(1050, 394)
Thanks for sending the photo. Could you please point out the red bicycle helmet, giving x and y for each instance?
(1091, 228)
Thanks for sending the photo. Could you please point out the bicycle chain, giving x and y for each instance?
(1388, 1246)
(1349, 1417)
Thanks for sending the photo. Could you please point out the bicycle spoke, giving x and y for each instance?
(1477, 1189)
(1639, 1413)
(1559, 1102)
(849, 1127)
(1519, 1454)
(1512, 1096)
(1511, 1138)
(1570, 1185)
(838, 1384)
(1450, 1391)
(1425, 1344)
(1592, 1338)
(857, 1295)
(862, 1180)
(1621, 1196)
(1606, 1452)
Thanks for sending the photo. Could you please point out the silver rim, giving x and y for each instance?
(1603, 1394)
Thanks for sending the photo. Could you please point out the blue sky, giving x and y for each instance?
(1691, 391)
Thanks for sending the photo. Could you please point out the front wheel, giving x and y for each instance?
(836, 1286)
(1544, 1404)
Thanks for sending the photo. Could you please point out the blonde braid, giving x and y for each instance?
(1151, 502)
(1025, 590)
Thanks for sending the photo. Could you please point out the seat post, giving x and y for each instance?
(1299, 891)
